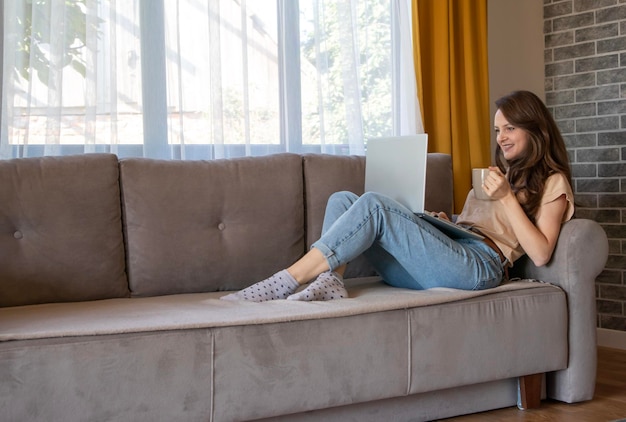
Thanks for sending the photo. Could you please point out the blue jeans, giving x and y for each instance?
(403, 248)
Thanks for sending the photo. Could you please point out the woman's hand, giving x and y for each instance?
(495, 185)
(539, 239)
(441, 215)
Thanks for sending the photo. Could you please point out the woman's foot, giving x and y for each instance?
(327, 286)
(278, 286)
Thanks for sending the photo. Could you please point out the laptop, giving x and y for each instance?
(396, 167)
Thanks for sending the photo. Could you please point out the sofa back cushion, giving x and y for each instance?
(199, 226)
(60, 230)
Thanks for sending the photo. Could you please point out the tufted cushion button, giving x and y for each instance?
(221, 226)
(18, 234)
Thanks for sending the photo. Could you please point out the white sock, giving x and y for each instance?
(278, 286)
(327, 286)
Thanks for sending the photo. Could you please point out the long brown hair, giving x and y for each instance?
(546, 153)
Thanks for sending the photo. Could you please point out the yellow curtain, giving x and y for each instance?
(450, 49)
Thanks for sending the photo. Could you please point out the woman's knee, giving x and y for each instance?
(376, 200)
(372, 196)
(342, 199)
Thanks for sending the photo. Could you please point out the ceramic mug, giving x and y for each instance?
(478, 178)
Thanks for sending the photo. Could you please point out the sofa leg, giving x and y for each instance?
(529, 391)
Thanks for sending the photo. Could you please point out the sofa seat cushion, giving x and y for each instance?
(205, 310)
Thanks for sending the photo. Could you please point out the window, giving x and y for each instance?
(195, 79)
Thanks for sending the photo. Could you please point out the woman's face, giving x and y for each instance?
(512, 140)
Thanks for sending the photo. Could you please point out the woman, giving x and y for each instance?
(531, 196)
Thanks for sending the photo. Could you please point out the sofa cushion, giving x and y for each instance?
(60, 230)
(205, 310)
(198, 226)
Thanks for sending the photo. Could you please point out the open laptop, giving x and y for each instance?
(396, 167)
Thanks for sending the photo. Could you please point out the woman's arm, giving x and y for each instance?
(538, 240)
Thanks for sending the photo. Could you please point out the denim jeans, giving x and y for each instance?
(404, 249)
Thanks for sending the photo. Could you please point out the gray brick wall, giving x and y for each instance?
(585, 67)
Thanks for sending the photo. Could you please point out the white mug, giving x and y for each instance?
(478, 178)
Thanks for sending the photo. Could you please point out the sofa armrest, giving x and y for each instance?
(580, 255)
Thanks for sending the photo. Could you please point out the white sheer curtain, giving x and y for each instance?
(191, 79)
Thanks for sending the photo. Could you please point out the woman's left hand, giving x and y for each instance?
(496, 185)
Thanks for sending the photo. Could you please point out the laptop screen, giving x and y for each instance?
(396, 167)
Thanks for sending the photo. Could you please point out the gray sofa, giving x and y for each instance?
(111, 272)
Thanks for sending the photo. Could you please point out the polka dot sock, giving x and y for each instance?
(327, 286)
(278, 286)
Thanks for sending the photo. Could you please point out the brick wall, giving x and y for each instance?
(585, 67)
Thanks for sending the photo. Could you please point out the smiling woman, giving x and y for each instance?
(530, 128)
(409, 252)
